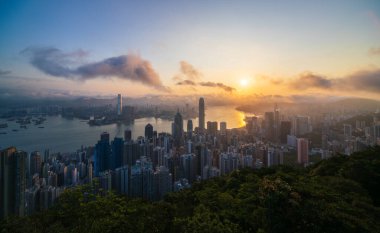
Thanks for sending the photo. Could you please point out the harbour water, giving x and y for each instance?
(67, 135)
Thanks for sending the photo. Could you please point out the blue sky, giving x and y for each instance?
(226, 41)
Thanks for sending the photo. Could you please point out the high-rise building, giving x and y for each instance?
(212, 127)
(119, 105)
(178, 129)
(301, 125)
(35, 163)
(189, 129)
(102, 153)
(228, 162)
(201, 117)
(163, 182)
(303, 150)
(347, 128)
(13, 167)
(269, 125)
(188, 167)
(285, 130)
(149, 132)
(276, 124)
(128, 135)
(117, 153)
(223, 128)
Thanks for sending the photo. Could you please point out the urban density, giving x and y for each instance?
(160, 162)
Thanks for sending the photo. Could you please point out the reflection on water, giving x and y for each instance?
(65, 135)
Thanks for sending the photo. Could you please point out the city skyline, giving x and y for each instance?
(234, 50)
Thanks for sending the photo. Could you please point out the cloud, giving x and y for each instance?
(190, 76)
(374, 51)
(53, 61)
(219, 85)
(361, 81)
(366, 80)
(310, 80)
(189, 71)
(4, 72)
(186, 82)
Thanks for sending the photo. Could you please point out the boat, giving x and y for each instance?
(41, 127)
(4, 125)
(3, 132)
(14, 130)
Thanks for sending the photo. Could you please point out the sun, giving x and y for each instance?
(244, 82)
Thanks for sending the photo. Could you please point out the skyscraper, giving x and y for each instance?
(102, 153)
(276, 124)
(178, 129)
(117, 153)
(12, 182)
(269, 125)
(285, 128)
(223, 128)
(212, 127)
(35, 163)
(189, 129)
(119, 105)
(128, 135)
(201, 117)
(301, 125)
(303, 150)
(148, 132)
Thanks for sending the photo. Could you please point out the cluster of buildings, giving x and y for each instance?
(152, 165)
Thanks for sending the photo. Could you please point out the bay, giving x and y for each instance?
(67, 135)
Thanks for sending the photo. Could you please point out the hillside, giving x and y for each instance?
(336, 195)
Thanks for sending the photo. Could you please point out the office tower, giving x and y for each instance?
(148, 132)
(272, 157)
(119, 105)
(122, 180)
(285, 130)
(189, 129)
(303, 151)
(46, 156)
(13, 167)
(246, 161)
(301, 125)
(102, 153)
(276, 124)
(131, 153)
(162, 182)
(178, 129)
(128, 135)
(35, 163)
(269, 125)
(117, 153)
(223, 128)
(212, 127)
(201, 117)
(188, 167)
(105, 180)
(228, 162)
(89, 172)
(347, 130)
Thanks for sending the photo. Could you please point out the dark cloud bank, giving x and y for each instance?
(131, 67)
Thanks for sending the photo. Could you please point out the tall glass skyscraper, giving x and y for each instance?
(201, 117)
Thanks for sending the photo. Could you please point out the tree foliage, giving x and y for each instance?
(340, 194)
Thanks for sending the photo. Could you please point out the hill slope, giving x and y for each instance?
(336, 195)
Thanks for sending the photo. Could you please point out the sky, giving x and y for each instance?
(227, 48)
